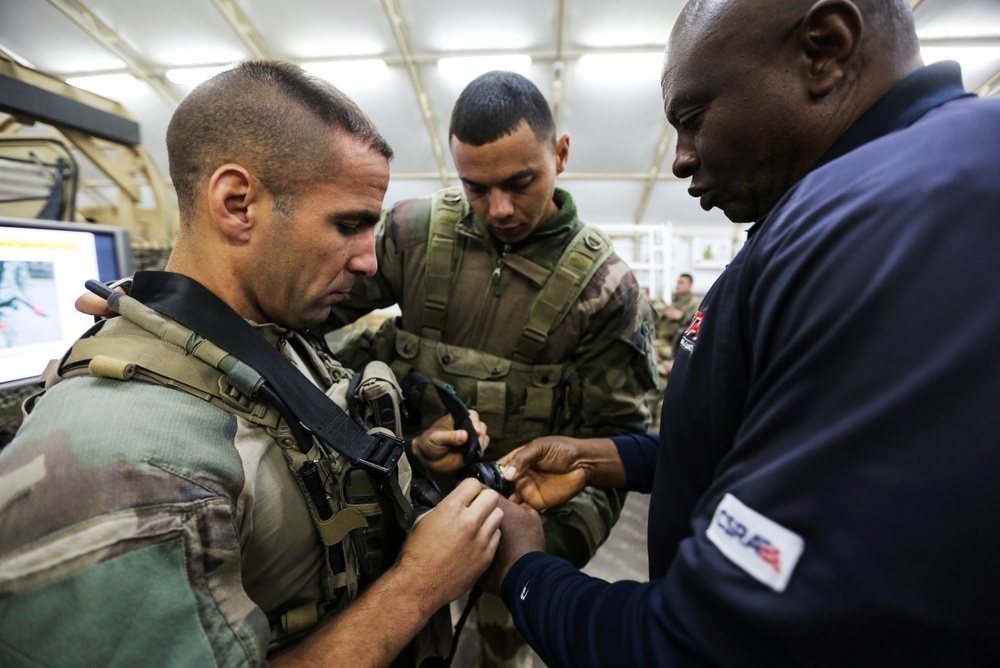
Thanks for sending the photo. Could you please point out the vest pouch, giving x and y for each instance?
(541, 403)
(361, 494)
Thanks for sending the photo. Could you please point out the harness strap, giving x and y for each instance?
(579, 262)
(333, 530)
(129, 355)
(189, 303)
(447, 209)
(577, 265)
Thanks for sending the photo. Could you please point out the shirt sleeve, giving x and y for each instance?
(616, 360)
(638, 453)
(119, 548)
(572, 619)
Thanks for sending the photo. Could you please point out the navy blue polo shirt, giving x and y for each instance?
(823, 494)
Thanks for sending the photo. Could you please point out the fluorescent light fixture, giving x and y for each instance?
(967, 56)
(467, 68)
(107, 85)
(192, 76)
(619, 66)
(347, 73)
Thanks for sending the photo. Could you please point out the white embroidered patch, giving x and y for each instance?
(763, 548)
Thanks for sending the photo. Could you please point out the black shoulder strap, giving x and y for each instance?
(302, 403)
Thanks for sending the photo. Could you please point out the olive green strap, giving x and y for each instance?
(123, 356)
(577, 265)
(447, 210)
(333, 530)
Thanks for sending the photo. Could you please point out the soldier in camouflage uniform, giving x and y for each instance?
(508, 297)
(143, 524)
(676, 316)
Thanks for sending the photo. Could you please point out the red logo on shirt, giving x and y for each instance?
(692, 330)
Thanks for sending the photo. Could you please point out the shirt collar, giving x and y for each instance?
(903, 105)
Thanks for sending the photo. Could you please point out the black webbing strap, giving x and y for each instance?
(194, 306)
(472, 450)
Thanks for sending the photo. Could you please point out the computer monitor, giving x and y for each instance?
(43, 266)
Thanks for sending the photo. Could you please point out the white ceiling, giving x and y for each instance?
(617, 171)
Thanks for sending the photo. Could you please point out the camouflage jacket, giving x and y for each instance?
(606, 339)
(603, 350)
(669, 331)
(140, 523)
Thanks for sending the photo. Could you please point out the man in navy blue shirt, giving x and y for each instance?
(823, 494)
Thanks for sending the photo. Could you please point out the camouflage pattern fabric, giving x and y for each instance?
(601, 358)
(606, 342)
(140, 521)
(670, 331)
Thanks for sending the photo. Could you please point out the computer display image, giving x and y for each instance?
(28, 303)
(43, 267)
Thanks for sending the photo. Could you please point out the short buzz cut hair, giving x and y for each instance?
(494, 104)
(272, 118)
(687, 276)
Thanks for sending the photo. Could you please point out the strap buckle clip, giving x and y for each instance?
(384, 456)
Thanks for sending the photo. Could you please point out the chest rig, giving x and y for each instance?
(361, 518)
(517, 397)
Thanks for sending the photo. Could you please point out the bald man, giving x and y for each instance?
(828, 456)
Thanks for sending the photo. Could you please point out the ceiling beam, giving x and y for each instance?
(104, 35)
(395, 17)
(241, 25)
(558, 66)
(654, 172)
(990, 87)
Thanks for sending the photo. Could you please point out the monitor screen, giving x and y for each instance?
(43, 266)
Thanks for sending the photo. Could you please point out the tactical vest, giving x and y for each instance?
(518, 398)
(353, 514)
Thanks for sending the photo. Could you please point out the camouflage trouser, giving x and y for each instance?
(500, 645)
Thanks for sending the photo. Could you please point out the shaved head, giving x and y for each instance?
(759, 89)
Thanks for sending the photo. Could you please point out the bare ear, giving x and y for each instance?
(562, 153)
(830, 34)
(232, 190)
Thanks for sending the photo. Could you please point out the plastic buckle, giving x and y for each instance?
(384, 456)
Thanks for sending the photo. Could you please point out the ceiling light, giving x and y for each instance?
(467, 68)
(967, 56)
(107, 85)
(346, 73)
(619, 66)
(192, 76)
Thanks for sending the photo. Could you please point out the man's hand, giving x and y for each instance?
(453, 544)
(552, 470)
(91, 304)
(520, 533)
(448, 549)
(673, 313)
(440, 446)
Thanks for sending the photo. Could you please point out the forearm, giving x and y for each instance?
(572, 619)
(363, 636)
(600, 459)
